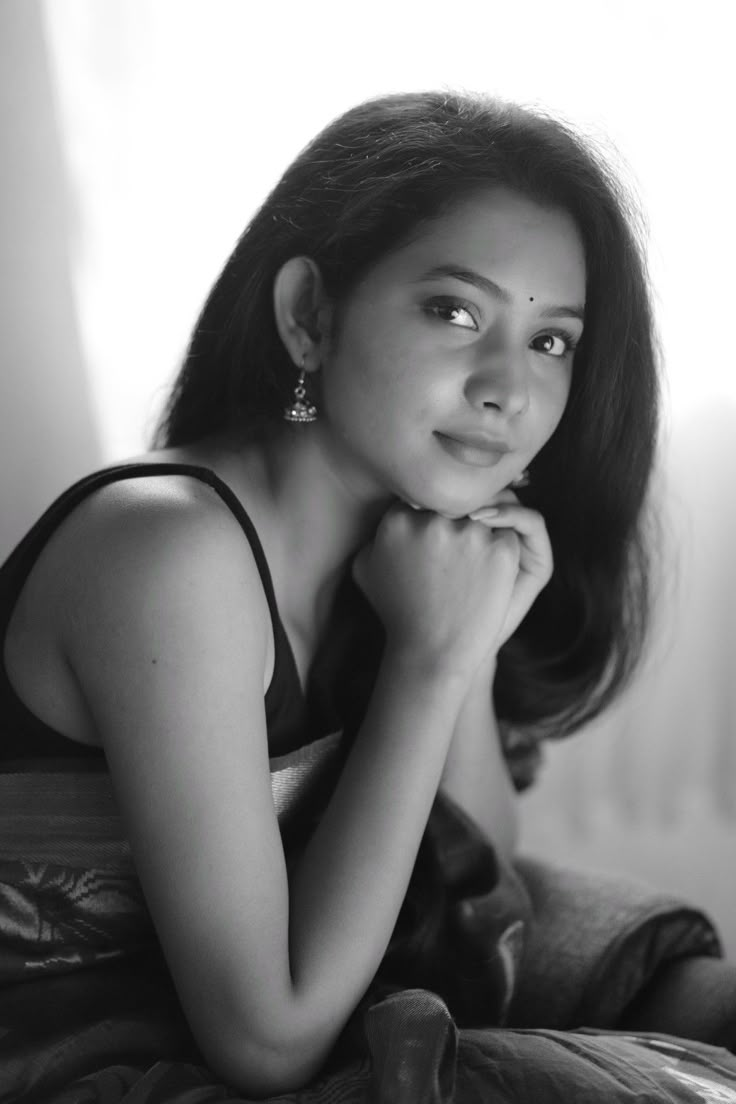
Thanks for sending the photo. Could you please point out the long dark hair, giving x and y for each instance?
(357, 192)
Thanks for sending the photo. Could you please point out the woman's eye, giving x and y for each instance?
(449, 310)
(557, 345)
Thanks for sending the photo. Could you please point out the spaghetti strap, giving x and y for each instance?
(24, 732)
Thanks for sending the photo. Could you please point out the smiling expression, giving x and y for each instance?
(455, 354)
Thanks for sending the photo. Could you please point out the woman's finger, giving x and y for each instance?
(506, 516)
(503, 498)
(536, 550)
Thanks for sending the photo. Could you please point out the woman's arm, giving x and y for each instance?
(167, 631)
(352, 878)
(475, 774)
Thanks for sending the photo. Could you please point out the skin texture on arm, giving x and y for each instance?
(475, 775)
(166, 630)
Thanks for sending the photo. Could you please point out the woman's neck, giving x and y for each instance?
(322, 511)
(311, 509)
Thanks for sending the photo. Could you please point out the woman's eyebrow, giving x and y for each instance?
(469, 276)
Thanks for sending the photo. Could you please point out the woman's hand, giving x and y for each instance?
(535, 559)
(441, 587)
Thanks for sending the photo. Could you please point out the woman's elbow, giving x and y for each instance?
(262, 1067)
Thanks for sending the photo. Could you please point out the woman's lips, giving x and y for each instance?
(476, 455)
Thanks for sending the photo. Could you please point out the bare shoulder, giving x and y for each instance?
(152, 553)
(155, 508)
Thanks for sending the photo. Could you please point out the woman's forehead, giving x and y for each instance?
(500, 236)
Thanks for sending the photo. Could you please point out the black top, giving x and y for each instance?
(293, 720)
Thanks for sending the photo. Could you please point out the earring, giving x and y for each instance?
(301, 410)
(522, 480)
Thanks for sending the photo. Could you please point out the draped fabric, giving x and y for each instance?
(84, 991)
(89, 1014)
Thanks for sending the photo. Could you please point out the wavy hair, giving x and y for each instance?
(357, 192)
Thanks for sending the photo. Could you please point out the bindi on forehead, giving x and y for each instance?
(491, 288)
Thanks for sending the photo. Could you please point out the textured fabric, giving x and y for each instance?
(594, 941)
(87, 1008)
(413, 1053)
(88, 1011)
(69, 895)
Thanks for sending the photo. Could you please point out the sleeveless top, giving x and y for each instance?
(293, 718)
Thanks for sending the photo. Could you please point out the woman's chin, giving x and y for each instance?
(445, 510)
(449, 505)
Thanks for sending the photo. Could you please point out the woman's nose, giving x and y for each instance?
(500, 381)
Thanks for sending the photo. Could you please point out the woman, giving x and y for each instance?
(395, 508)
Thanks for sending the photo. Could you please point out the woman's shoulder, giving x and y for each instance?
(152, 498)
(125, 564)
(164, 539)
(144, 505)
(158, 522)
(157, 496)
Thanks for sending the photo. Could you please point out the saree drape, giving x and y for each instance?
(89, 1014)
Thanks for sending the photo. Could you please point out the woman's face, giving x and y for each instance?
(455, 354)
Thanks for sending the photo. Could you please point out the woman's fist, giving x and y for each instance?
(441, 587)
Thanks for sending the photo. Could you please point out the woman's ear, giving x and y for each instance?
(302, 311)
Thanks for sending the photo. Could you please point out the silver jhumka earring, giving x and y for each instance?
(301, 409)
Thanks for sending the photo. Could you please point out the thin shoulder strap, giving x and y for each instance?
(18, 565)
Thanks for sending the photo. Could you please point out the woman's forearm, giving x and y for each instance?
(475, 775)
(347, 890)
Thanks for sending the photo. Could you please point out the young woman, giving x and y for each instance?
(394, 517)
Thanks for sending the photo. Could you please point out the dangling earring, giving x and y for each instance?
(522, 480)
(301, 410)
